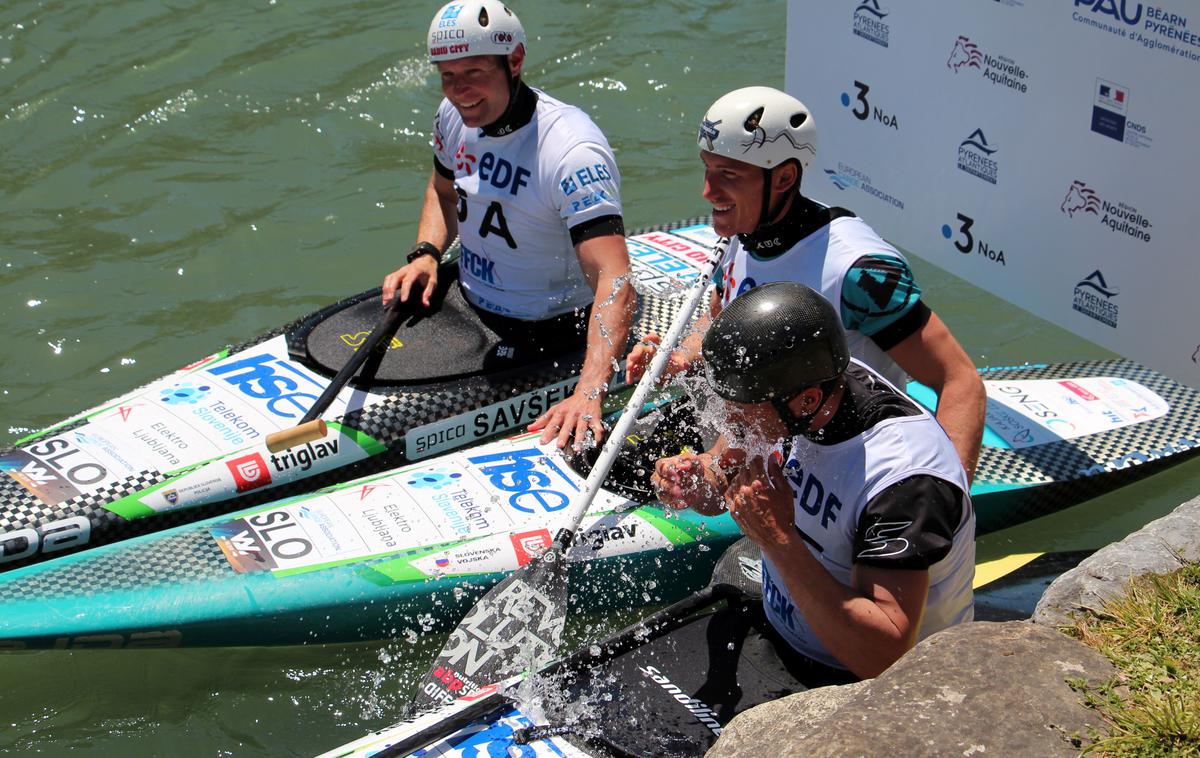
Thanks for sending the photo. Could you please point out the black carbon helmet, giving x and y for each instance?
(774, 342)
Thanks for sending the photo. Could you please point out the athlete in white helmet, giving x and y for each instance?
(756, 143)
(530, 187)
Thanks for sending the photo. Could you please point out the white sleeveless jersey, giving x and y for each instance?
(821, 260)
(518, 195)
(832, 485)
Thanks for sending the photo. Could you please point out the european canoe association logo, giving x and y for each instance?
(975, 157)
(1093, 298)
(869, 22)
(847, 177)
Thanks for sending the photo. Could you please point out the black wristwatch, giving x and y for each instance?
(424, 248)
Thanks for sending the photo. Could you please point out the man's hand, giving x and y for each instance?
(643, 352)
(420, 275)
(574, 418)
(690, 480)
(761, 502)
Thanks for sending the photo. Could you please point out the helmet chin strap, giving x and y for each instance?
(800, 424)
(768, 214)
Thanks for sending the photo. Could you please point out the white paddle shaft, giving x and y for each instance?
(612, 445)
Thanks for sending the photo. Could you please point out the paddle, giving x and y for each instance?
(311, 427)
(518, 624)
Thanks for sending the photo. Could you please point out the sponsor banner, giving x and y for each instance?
(216, 408)
(489, 507)
(701, 234)
(254, 469)
(1037, 411)
(1041, 151)
(665, 263)
(485, 422)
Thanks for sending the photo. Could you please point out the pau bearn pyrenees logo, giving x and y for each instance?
(1082, 201)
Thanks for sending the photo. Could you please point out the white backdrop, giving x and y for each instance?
(1043, 150)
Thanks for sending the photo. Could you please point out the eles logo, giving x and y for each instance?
(535, 482)
(249, 472)
(255, 377)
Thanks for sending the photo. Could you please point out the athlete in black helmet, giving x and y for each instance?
(862, 510)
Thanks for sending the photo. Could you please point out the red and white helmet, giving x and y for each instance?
(473, 27)
(760, 126)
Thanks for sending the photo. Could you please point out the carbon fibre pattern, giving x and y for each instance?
(1066, 472)
(189, 557)
(388, 421)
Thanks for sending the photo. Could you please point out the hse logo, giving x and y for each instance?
(249, 472)
(864, 110)
(434, 479)
(967, 244)
(847, 177)
(534, 483)
(869, 22)
(1093, 298)
(975, 157)
(265, 377)
(998, 69)
(1119, 218)
(185, 393)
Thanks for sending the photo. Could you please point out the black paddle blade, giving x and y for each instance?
(667, 431)
(517, 626)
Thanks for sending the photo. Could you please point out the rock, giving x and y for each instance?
(972, 690)
(1162, 546)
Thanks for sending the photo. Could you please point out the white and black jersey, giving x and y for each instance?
(839, 255)
(880, 485)
(528, 192)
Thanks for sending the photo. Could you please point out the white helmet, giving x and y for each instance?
(760, 126)
(474, 27)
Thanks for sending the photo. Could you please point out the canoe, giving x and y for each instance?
(406, 552)
(193, 443)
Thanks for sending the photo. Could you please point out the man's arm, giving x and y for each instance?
(683, 358)
(605, 264)
(866, 626)
(932, 356)
(438, 226)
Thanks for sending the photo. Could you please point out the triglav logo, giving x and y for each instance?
(869, 22)
(1120, 217)
(249, 472)
(998, 69)
(1093, 298)
(975, 157)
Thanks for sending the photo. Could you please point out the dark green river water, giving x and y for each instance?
(179, 175)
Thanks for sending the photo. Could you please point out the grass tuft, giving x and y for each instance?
(1152, 636)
